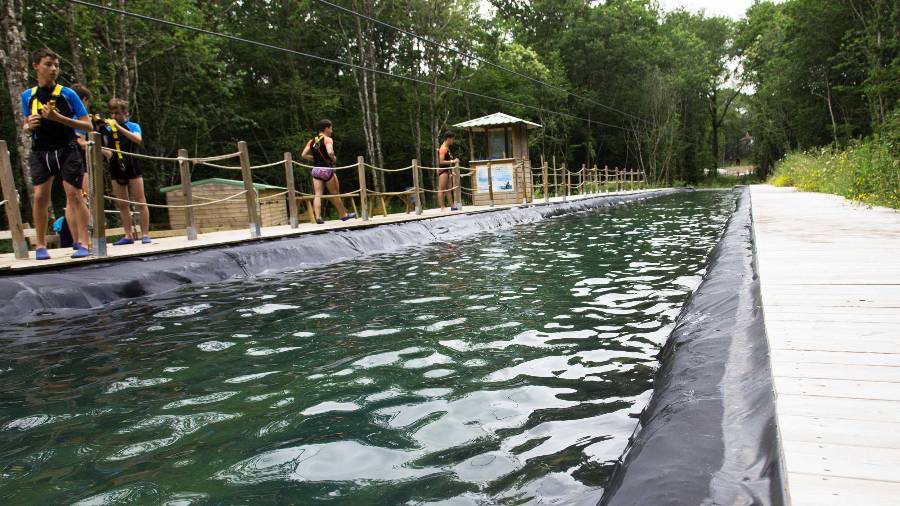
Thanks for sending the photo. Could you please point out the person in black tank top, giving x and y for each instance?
(445, 179)
(320, 151)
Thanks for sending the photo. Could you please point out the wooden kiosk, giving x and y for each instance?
(500, 159)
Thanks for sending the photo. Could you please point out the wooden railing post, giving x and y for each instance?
(190, 222)
(98, 232)
(555, 179)
(13, 212)
(568, 177)
(524, 184)
(605, 179)
(545, 180)
(253, 215)
(291, 189)
(363, 200)
(457, 182)
(418, 187)
(582, 179)
(490, 184)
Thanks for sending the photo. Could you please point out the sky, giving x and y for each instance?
(734, 9)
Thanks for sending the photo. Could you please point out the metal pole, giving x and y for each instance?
(189, 219)
(252, 203)
(13, 213)
(291, 189)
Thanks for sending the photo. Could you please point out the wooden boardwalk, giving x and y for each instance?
(61, 257)
(830, 278)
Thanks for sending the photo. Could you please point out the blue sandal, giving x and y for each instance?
(41, 254)
(123, 241)
(81, 253)
(349, 216)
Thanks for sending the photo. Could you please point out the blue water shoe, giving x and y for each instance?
(81, 253)
(349, 216)
(123, 241)
(146, 240)
(41, 254)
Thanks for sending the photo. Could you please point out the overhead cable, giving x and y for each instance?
(336, 62)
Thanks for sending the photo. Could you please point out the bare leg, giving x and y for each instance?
(75, 202)
(318, 188)
(121, 192)
(334, 188)
(39, 211)
(443, 193)
(136, 188)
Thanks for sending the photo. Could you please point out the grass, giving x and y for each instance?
(867, 172)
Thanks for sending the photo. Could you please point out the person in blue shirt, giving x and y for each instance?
(124, 136)
(52, 114)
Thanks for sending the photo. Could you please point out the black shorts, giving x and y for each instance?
(65, 162)
(123, 170)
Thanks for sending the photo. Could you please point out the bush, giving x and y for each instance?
(867, 172)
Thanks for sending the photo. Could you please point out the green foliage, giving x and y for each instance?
(868, 172)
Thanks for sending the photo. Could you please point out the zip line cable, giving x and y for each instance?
(471, 56)
(337, 62)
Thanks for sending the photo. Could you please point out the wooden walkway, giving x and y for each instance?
(830, 278)
(61, 257)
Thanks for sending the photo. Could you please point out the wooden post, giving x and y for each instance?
(490, 184)
(568, 181)
(291, 189)
(596, 173)
(457, 193)
(363, 200)
(252, 204)
(555, 180)
(190, 222)
(13, 212)
(582, 179)
(418, 189)
(98, 233)
(545, 180)
(524, 184)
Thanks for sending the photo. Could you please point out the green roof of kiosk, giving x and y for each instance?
(216, 180)
(498, 119)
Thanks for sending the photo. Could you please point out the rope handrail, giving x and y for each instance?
(449, 167)
(387, 170)
(439, 191)
(232, 167)
(386, 194)
(3, 203)
(308, 195)
(270, 197)
(174, 206)
(170, 159)
(305, 166)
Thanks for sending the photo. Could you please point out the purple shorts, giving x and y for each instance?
(322, 173)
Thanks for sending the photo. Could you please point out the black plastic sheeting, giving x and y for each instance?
(709, 434)
(24, 297)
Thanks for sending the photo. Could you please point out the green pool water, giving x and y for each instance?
(507, 368)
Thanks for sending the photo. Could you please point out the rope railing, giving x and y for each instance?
(387, 170)
(440, 191)
(324, 196)
(170, 159)
(232, 167)
(305, 166)
(275, 196)
(174, 206)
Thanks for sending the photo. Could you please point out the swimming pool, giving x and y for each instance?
(501, 368)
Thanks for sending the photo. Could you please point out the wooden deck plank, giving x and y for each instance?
(830, 283)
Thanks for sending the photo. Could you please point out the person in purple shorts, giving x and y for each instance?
(320, 151)
(52, 115)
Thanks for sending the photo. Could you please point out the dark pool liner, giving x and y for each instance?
(24, 297)
(709, 434)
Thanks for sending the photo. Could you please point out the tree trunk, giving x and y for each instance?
(14, 59)
(75, 44)
(122, 52)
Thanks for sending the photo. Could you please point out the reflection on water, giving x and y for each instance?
(506, 369)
